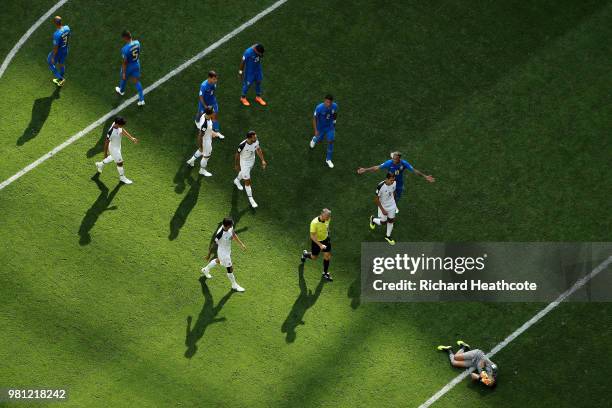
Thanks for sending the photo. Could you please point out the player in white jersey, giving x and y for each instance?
(244, 161)
(385, 201)
(223, 238)
(112, 148)
(205, 137)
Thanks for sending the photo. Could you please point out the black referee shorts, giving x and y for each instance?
(315, 248)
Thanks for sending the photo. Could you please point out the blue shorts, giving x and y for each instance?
(60, 57)
(399, 189)
(328, 134)
(251, 77)
(214, 105)
(132, 71)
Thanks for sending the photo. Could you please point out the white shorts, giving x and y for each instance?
(115, 153)
(245, 170)
(225, 258)
(390, 214)
(207, 146)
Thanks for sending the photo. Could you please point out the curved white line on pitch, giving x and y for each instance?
(27, 35)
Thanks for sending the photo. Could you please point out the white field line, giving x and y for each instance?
(24, 38)
(148, 89)
(579, 283)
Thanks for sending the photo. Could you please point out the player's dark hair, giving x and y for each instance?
(389, 175)
(250, 134)
(259, 48)
(126, 34)
(119, 120)
(329, 97)
(228, 222)
(208, 110)
(212, 74)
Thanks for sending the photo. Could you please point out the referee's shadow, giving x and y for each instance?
(305, 300)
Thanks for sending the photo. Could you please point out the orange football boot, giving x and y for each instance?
(245, 101)
(260, 101)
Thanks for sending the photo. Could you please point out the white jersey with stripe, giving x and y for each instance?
(386, 194)
(223, 239)
(113, 135)
(206, 126)
(247, 151)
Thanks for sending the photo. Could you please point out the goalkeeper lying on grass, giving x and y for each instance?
(485, 371)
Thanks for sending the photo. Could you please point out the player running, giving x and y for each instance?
(224, 237)
(397, 165)
(486, 370)
(112, 148)
(387, 208)
(207, 98)
(324, 125)
(244, 161)
(250, 71)
(57, 57)
(205, 137)
(130, 66)
(320, 241)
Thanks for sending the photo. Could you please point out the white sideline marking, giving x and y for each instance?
(27, 35)
(579, 283)
(150, 88)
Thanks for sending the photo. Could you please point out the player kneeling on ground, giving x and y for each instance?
(205, 137)
(244, 162)
(223, 239)
(385, 201)
(320, 242)
(112, 148)
(485, 369)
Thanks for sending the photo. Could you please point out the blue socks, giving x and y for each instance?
(330, 150)
(122, 85)
(216, 125)
(54, 70)
(258, 88)
(245, 88)
(139, 89)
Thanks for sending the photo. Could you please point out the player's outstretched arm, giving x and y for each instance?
(235, 237)
(123, 69)
(200, 141)
(314, 125)
(264, 163)
(129, 136)
(237, 161)
(427, 177)
(372, 169)
(241, 68)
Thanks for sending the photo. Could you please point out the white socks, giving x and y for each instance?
(107, 159)
(211, 264)
(376, 221)
(249, 191)
(197, 154)
(232, 278)
(389, 229)
(121, 171)
(203, 162)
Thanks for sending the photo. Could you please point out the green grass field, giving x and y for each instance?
(507, 104)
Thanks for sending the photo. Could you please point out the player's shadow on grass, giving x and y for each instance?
(305, 300)
(187, 204)
(40, 113)
(207, 316)
(184, 172)
(101, 204)
(99, 146)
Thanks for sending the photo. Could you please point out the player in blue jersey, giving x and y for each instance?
(206, 98)
(324, 124)
(397, 166)
(250, 71)
(57, 57)
(130, 66)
